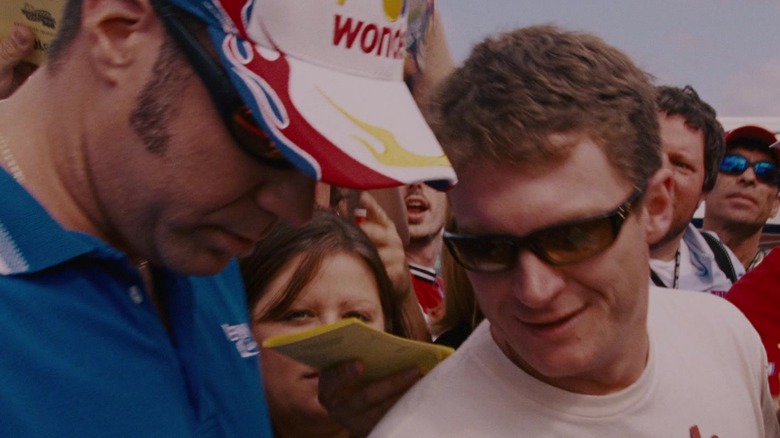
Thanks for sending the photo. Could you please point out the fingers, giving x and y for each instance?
(337, 382)
(377, 225)
(360, 406)
(374, 212)
(13, 48)
(382, 232)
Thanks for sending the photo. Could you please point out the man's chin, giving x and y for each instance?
(671, 235)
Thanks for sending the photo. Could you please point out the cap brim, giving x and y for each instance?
(751, 132)
(339, 128)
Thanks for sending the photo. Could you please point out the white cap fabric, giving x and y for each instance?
(324, 78)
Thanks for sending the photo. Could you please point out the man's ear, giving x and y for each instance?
(118, 32)
(658, 205)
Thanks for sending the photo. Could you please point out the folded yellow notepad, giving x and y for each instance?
(382, 353)
(42, 16)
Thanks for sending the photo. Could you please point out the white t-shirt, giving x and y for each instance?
(705, 377)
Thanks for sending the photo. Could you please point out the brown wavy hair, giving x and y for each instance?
(325, 235)
(518, 88)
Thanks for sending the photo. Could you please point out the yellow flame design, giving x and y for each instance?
(394, 154)
(393, 8)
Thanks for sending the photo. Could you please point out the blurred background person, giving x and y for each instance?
(757, 295)
(745, 194)
(426, 211)
(693, 145)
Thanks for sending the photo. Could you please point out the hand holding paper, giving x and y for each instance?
(381, 353)
(41, 16)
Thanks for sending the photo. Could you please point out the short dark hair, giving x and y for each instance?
(685, 102)
(518, 88)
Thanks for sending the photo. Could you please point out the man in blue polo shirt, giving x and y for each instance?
(161, 139)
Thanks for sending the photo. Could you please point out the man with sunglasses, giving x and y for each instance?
(743, 199)
(693, 146)
(554, 136)
(745, 195)
(159, 142)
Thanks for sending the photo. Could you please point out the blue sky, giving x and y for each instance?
(728, 50)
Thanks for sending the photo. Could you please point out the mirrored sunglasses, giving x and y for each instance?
(562, 244)
(765, 171)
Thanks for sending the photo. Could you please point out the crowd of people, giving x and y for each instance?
(200, 176)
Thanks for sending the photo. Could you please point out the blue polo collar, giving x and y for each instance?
(31, 240)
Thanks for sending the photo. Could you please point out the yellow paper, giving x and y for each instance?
(42, 16)
(382, 353)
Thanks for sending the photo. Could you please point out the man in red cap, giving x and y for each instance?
(745, 195)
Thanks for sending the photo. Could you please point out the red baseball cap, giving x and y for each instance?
(751, 132)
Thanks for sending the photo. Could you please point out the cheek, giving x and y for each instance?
(262, 331)
(289, 195)
(771, 199)
(633, 272)
(378, 323)
(498, 286)
(272, 372)
(278, 371)
(688, 192)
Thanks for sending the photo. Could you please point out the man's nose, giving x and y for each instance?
(535, 282)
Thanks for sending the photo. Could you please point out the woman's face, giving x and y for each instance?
(344, 287)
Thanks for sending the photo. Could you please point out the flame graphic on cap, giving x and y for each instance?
(394, 154)
(393, 8)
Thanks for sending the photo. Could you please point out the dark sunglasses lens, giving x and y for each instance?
(766, 172)
(575, 242)
(255, 141)
(733, 164)
(482, 254)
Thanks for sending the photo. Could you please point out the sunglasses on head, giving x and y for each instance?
(562, 244)
(765, 171)
(235, 114)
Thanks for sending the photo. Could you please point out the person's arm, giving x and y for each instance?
(13, 48)
(382, 231)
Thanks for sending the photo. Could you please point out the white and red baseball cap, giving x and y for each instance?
(324, 79)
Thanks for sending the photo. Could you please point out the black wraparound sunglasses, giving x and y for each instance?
(562, 244)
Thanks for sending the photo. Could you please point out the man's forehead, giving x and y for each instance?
(516, 200)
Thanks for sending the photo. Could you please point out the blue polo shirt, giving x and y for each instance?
(83, 352)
